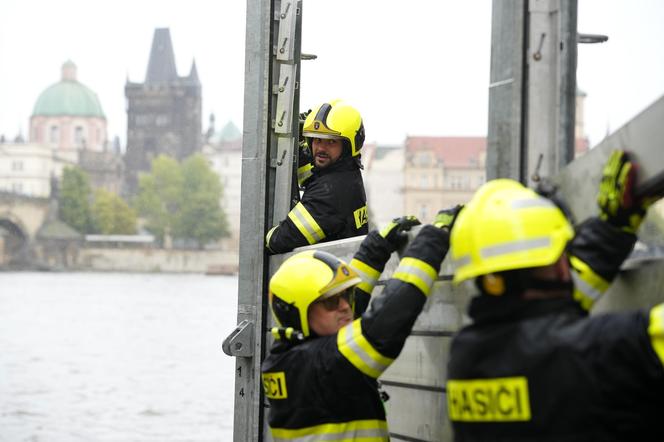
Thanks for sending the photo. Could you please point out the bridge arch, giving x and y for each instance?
(14, 240)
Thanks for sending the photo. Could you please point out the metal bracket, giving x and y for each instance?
(241, 340)
(285, 97)
(286, 40)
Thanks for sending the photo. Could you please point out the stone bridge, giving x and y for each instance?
(21, 217)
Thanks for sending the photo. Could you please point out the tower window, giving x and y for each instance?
(78, 135)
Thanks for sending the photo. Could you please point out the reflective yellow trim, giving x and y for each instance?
(368, 274)
(656, 330)
(416, 272)
(488, 400)
(588, 285)
(359, 352)
(365, 430)
(269, 236)
(304, 173)
(306, 224)
(361, 216)
(274, 385)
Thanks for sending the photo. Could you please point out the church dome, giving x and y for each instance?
(68, 97)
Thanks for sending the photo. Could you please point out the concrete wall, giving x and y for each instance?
(158, 260)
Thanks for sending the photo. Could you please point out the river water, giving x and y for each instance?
(115, 357)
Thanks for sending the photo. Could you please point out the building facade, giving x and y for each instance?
(163, 113)
(383, 176)
(223, 150)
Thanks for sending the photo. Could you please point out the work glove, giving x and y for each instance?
(617, 202)
(445, 218)
(395, 232)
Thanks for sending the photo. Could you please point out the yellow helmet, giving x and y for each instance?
(507, 226)
(304, 278)
(336, 120)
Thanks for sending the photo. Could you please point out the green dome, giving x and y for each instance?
(68, 97)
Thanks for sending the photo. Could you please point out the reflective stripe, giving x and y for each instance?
(462, 261)
(368, 274)
(656, 330)
(365, 430)
(359, 352)
(269, 236)
(304, 173)
(532, 202)
(588, 285)
(416, 272)
(515, 246)
(306, 224)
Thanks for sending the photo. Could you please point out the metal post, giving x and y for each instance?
(272, 56)
(532, 89)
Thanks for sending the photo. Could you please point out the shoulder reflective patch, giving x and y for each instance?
(274, 385)
(489, 400)
(361, 217)
(306, 224)
(656, 330)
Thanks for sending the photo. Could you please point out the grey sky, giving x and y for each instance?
(419, 67)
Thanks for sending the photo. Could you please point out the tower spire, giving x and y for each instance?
(161, 67)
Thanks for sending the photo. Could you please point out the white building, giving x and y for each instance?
(383, 182)
(224, 151)
(28, 168)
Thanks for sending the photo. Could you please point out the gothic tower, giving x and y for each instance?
(163, 113)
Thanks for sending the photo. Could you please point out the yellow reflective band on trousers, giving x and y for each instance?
(306, 224)
(416, 272)
(365, 431)
(359, 352)
(656, 330)
(304, 172)
(588, 285)
(489, 400)
(368, 274)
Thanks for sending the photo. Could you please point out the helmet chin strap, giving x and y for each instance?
(549, 285)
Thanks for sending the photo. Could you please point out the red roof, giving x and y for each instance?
(453, 151)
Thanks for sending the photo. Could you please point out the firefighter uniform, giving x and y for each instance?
(325, 388)
(543, 369)
(333, 206)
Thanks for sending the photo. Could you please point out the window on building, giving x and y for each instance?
(424, 181)
(162, 120)
(423, 159)
(54, 135)
(456, 182)
(142, 120)
(424, 211)
(17, 165)
(78, 135)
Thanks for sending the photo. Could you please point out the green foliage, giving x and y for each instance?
(74, 200)
(182, 200)
(112, 215)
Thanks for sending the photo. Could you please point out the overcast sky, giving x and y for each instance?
(412, 68)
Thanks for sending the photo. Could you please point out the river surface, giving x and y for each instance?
(115, 357)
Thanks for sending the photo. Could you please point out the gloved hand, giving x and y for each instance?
(617, 202)
(446, 217)
(395, 232)
(303, 117)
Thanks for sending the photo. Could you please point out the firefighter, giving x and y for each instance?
(333, 205)
(533, 365)
(321, 374)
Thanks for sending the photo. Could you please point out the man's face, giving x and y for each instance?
(326, 151)
(329, 316)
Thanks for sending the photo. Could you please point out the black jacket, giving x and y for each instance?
(544, 370)
(333, 206)
(327, 385)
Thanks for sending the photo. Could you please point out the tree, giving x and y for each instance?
(200, 218)
(112, 215)
(182, 200)
(159, 196)
(74, 200)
